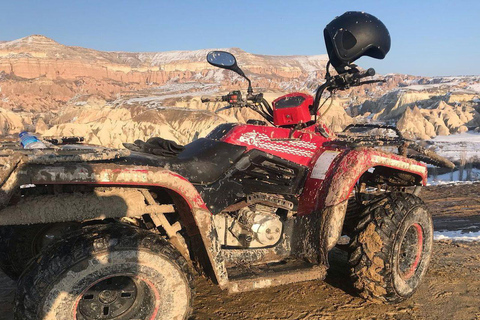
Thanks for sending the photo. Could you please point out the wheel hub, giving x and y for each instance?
(410, 251)
(109, 298)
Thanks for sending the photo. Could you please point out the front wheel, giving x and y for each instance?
(391, 247)
(107, 272)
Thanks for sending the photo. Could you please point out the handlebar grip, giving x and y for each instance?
(216, 99)
(367, 73)
(370, 72)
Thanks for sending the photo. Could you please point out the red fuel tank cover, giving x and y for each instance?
(292, 109)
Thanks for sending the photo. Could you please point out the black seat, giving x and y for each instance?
(202, 161)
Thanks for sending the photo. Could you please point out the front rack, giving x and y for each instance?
(406, 147)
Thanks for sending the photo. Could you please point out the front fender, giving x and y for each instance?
(348, 167)
(329, 196)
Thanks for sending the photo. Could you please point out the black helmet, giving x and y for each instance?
(355, 34)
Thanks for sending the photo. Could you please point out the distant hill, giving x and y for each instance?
(48, 87)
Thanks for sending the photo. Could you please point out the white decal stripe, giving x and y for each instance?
(261, 140)
(323, 164)
(399, 164)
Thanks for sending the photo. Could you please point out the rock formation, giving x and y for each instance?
(115, 97)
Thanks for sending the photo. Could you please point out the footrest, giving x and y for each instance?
(276, 278)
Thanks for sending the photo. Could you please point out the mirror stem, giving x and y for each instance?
(249, 90)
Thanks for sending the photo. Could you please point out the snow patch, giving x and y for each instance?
(454, 83)
(162, 58)
(456, 146)
(474, 87)
(458, 235)
(455, 177)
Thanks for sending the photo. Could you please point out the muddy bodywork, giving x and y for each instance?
(65, 207)
(293, 166)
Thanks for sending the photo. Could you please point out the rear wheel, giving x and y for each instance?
(107, 272)
(20, 244)
(129, 297)
(391, 247)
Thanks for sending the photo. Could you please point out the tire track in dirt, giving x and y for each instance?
(456, 200)
(450, 291)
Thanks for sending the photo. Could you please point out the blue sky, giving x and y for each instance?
(428, 37)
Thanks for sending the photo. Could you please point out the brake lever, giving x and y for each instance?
(224, 108)
(371, 81)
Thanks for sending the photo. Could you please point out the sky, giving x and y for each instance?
(428, 37)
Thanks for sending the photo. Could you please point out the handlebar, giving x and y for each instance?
(349, 79)
(216, 99)
(234, 97)
(257, 102)
(342, 81)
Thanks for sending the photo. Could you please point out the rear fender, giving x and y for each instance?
(186, 197)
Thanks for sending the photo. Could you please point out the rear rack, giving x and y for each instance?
(11, 148)
(64, 140)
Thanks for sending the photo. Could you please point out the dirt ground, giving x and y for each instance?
(451, 289)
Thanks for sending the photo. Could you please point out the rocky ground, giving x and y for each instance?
(451, 289)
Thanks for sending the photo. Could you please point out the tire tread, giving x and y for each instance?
(37, 279)
(369, 269)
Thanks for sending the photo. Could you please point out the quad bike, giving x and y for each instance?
(96, 233)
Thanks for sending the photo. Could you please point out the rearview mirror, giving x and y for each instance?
(222, 59)
(226, 60)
